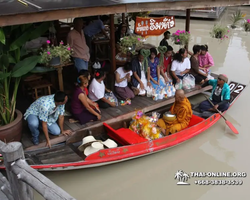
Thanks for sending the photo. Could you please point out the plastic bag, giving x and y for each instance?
(111, 97)
(178, 86)
(188, 82)
(149, 91)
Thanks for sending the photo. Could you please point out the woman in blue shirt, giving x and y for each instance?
(154, 70)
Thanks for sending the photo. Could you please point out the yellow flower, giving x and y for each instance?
(244, 15)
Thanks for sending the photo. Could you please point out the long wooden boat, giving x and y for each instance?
(68, 157)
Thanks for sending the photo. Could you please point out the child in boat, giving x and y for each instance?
(205, 60)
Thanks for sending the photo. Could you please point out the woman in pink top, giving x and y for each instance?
(205, 59)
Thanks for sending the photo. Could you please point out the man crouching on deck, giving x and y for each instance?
(183, 111)
(44, 112)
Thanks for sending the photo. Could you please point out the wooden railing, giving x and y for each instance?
(22, 179)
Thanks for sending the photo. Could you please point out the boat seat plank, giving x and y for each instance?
(60, 155)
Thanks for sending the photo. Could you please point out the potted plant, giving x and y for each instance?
(56, 55)
(130, 43)
(236, 17)
(181, 37)
(246, 25)
(219, 32)
(15, 62)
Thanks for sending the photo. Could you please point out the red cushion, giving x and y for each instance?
(124, 135)
(195, 120)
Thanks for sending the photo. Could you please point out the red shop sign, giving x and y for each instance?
(153, 26)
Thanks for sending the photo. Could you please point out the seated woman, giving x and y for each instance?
(122, 77)
(205, 59)
(180, 65)
(86, 74)
(82, 108)
(139, 80)
(97, 90)
(183, 111)
(153, 72)
(220, 95)
(165, 69)
(199, 76)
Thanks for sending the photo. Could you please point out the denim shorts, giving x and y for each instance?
(80, 64)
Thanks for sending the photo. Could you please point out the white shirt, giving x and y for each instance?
(179, 67)
(96, 90)
(122, 74)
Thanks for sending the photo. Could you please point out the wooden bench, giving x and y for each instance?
(40, 88)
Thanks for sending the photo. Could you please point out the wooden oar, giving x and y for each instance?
(230, 125)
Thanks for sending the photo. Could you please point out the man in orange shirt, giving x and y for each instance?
(77, 42)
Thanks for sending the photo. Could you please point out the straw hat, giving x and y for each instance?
(94, 147)
(86, 141)
(110, 143)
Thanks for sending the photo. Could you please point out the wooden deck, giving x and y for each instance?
(109, 115)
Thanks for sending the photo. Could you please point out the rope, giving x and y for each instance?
(162, 50)
(146, 54)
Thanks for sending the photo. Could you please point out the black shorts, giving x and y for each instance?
(199, 78)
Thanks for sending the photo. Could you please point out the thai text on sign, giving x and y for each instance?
(153, 26)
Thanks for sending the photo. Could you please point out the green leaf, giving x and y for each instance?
(2, 36)
(20, 41)
(4, 61)
(11, 59)
(4, 75)
(24, 66)
(30, 33)
(40, 30)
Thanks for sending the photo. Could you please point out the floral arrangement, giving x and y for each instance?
(181, 37)
(130, 43)
(62, 51)
(219, 32)
(236, 18)
(246, 25)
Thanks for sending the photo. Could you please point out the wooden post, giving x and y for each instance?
(123, 18)
(5, 187)
(11, 153)
(112, 45)
(187, 23)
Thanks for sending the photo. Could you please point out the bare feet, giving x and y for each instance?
(73, 121)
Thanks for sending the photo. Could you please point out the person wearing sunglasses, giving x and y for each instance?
(220, 95)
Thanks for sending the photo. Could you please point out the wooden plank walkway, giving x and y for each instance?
(111, 115)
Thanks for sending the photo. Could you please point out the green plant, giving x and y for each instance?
(236, 17)
(63, 51)
(219, 32)
(14, 63)
(130, 43)
(246, 25)
(181, 37)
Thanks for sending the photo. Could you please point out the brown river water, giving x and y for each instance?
(214, 150)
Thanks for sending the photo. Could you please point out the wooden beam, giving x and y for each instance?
(125, 8)
(59, 14)
(187, 28)
(183, 5)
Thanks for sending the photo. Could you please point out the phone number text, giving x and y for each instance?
(218, 182)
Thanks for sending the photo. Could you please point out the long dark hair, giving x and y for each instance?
(204, 47)
(178, 56)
